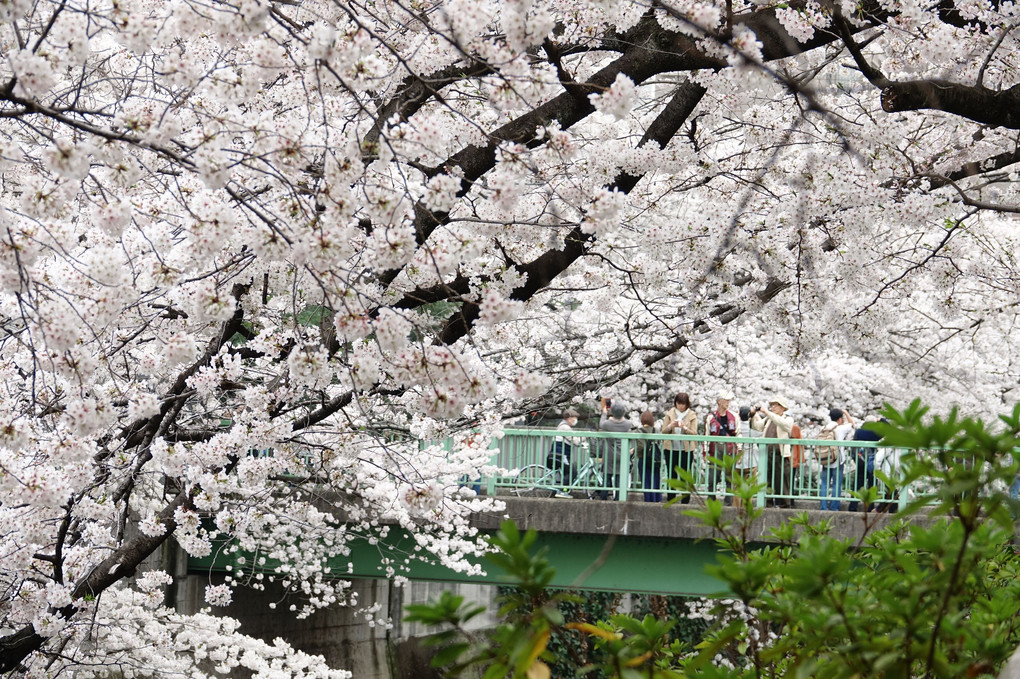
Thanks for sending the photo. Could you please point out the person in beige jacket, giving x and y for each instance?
(776, 424)
(680, 419)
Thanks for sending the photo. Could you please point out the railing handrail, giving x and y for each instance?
(637, 434)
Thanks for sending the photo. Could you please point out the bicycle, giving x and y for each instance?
(537, 480)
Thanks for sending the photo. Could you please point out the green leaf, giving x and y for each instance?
(313, 315)
(496, 671)
(449, 654)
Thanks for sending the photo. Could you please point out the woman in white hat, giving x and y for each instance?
(776, 424)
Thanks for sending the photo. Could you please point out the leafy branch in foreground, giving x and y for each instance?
(531, 615)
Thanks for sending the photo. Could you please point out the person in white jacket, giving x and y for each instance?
(776, 424)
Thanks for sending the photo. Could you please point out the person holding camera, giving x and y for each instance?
(559, 455)
(720, 422)
(614, 418)
(680, 419)
(773, 421)
(747, 462)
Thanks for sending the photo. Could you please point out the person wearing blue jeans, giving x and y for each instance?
(832, 458)
(832, 486)
(865, 475)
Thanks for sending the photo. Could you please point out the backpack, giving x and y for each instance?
(826, 455)
(796, 450)
(649, 450)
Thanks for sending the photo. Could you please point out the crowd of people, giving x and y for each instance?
(769, 420)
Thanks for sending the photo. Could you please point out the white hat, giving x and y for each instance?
(780, 401)
(725, 395)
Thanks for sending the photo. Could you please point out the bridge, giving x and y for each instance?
(605, 546)
(626, 546)
(608, 546)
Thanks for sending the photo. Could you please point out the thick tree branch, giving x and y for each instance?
(990, 164)
(874, 76)
(416, 91)
(654, 51)
(14, 648)
(540, 272)
(980, 104)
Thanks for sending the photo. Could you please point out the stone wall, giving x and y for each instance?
(338, 633)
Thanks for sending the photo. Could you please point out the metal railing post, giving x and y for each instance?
(902, 499)
(623, 478)
(763, 474)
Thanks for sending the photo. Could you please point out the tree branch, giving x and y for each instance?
(14, 648)
(980, 104)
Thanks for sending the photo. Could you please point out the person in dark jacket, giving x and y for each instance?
(649, 455)
(560, 452)
(864, 476)
(613, 419)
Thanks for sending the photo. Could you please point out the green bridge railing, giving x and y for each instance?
(617, 465)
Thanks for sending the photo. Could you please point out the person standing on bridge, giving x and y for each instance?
(559, 457)
(721, 422)
(613, 419)
(680, 419)
(776, 424)
(747, 461)
(832, 458)
(864, 475)
(649, 455)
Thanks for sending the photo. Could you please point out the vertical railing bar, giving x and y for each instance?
(623, 477)
(904, 494)
(763, 468)
(490, 479)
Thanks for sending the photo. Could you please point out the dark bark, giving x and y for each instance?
(653, 51)
(418, 90)
(541, 271)
(980, 104)
(996, 162)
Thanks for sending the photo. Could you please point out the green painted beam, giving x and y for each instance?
(592, 562)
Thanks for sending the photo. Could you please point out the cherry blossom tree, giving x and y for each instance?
(337, 231)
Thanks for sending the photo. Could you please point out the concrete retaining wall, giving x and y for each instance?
(338, 633)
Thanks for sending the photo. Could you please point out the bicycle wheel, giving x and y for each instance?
(535, 480)
(594, 478)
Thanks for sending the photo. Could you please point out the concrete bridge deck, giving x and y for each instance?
(632, 547)
(653, 520)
